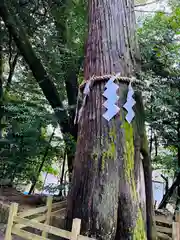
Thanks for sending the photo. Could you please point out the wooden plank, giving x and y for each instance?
(177, 216)
(164, 229)
(164, 236)
(31, 212)
(76, 228)
(59, 204)
(12, 213)
(48, 216)
(163, 219)
(37, 219)
(40, 218)
(175, 231)
(27, 235)
(58, 212)
(43, 227)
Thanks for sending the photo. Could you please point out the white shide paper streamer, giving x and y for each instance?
(111, 94)
(86, 93)
(129, 104)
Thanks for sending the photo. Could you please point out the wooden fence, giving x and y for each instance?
(39, 218)
(167, 228)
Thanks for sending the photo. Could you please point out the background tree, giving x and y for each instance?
(44, 21)
(50, 90)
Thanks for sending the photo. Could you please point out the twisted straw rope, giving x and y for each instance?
(107, 77)
(101, 78)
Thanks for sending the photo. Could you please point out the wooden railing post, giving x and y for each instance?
(48, 214)
(176, 227)
(12, 213)
(76, 228)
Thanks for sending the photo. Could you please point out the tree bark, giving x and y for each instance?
(107, 164)
(140, 119)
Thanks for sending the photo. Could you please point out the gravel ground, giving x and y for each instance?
(13, 238)
(2, 231)
(1, 236)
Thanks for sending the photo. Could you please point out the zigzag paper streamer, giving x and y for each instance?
(129, 104)
(87, 88)
(111, 94)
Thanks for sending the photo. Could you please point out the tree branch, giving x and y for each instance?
(145, 4)
(12, 66)
(139, 10)
(169, 193)
(167, 183)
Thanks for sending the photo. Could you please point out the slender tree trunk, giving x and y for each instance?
(12, 66)
(41, 165)
(151, 141)
(178, 157)
(108, 165)
(166, 183)
(170, 192)
(1, 84)
(62, 174)
(44, 182)
(151, 128)
(156, 144)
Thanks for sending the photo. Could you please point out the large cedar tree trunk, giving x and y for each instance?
(108, 187)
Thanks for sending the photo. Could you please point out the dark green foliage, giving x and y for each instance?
(56, 31)
(26, 124)
(160, 51)
(159, 43)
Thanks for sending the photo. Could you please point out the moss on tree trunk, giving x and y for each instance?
(107, 191)
(104, 190)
